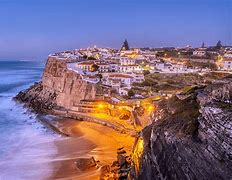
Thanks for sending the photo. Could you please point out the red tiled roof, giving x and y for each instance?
(227, 59)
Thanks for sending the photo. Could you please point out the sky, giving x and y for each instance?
(32, 29)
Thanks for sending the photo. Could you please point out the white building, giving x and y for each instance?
(130, 68)
(91, 79)
(85, 65)
(174, 68)
(228, 55)
(103, 67)
(226, 64)
(125, 79)
(123, 91)
(124, 61)
(199, 52)
(113, 67)
(139, 78)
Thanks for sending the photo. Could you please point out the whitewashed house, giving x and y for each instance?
(228, 55)
(91, 79)
(226, 64)
(199, 52)
(138, 78)
(123, 91)
(85, 65)
(124, 61)
(103, 67)
(113, 67)
(130, 68)
(125, 79)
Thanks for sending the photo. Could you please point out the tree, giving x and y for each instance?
(91, 58)
(219, 45)
(146, 72)
(94, 68)
(131, 93)
(100, 76)
(85, 56)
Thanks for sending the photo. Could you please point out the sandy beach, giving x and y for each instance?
(86, 140)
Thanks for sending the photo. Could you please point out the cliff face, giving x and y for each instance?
(68, 85)
(60, 88)
(192, 136)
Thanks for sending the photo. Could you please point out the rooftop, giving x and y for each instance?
(120, 76)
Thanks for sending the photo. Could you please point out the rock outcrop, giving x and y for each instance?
(119, 169)
(85, 164)
(191, 137)
(60, 88)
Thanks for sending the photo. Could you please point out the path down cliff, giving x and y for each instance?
(191, 137)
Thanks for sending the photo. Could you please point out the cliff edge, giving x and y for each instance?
(60, 88)
(191, 137)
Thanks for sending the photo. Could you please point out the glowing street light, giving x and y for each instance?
(100, 106)
(150, 108)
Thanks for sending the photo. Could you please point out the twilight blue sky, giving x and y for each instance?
(31, 29)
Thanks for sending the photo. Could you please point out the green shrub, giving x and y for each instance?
(131, 93)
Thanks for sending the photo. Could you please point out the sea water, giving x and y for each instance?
(26, 146)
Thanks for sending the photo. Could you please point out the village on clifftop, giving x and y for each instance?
(122, 69)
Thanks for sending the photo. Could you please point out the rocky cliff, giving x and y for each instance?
(60, 88)
(191, 137)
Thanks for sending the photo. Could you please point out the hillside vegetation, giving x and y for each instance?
(173, 82)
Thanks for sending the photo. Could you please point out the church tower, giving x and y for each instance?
(125, 46)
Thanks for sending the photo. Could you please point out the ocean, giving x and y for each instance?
(26, 146)
(31, 151)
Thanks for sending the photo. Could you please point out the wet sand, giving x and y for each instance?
(86, 140)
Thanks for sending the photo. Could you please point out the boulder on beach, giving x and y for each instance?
(104, 171)
(85, 163)
(121, 159)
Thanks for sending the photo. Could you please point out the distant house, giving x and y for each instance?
(85, 66)
(130, 68)
(201, 52)
(114, 83)
(128, 65)
(113, 67)
(117, 80)
(127, 61)
(122, 80)
(123, 91)
(125, 79)
(228, 55)
(138, 78)
(226, 64)
(91, 79)
(133, 54)
(103, 67)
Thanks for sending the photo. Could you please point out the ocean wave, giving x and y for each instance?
(25, 142)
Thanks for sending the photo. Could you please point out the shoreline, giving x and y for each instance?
(84, 139)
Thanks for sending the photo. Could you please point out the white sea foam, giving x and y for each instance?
(26, 146)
